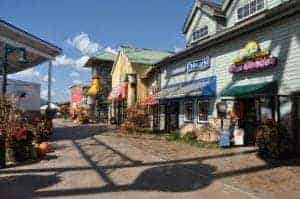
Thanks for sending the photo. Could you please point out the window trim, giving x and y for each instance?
(202, 37)
(250, 15)
(193, 111)
(198, 110)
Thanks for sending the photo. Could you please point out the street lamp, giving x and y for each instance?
(22, 60)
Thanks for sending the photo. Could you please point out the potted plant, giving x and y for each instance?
(273, 140)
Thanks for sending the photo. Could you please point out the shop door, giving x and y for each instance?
(172, 116)
(249, 121)
(155, 113)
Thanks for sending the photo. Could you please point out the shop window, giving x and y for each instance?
(200, 33)
(267, 109)
(188, 111)
(251, 7)
(203, 110)
(161, 109)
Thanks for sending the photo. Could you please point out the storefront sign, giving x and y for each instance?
(253, 59)
(76, 94)
(200, 64)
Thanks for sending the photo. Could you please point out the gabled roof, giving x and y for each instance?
(144, 56)
(105, 57)
(212, 7)
(285, 9)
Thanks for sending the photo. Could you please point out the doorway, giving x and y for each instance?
(172, 116)
(297, 123)
(247, 114)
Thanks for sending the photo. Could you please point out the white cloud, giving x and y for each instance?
(44, 93)
(177, 49)
(77, 81)
(84, 44)
(63, 60)
(28, 74)
(78, 64)
(111, 50)
(45, 78)
(81, 61)
(74, 74)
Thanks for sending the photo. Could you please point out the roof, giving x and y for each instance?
(37, 50)
(144, 56)
(101, 57)
(215, 5)
(105, 56)
(259, 20)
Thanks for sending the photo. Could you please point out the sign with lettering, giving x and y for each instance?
(200, 64)
(254, 58)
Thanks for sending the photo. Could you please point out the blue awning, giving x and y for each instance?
(201, 87)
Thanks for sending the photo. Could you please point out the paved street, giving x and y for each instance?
(94, 162)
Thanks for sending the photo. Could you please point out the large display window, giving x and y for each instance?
(188, 111)
(203, 110)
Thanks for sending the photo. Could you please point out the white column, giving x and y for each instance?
(49, 82)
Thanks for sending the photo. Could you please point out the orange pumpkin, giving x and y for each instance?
(44, 148)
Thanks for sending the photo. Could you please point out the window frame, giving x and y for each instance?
(203, 29)
(198, 110)
(187, 120)
(250, 14)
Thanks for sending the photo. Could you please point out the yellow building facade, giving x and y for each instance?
(128, 85)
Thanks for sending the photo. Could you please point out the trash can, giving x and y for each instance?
(224, 140)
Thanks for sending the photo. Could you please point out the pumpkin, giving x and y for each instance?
(44, 148)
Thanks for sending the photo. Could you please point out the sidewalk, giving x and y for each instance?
(92, 162)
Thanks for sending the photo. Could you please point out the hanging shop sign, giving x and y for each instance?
(76, 94)
(200, 64)
(253, 59)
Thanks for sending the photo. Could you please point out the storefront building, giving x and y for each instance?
(101, 66)
(251, 50)
(128, 83)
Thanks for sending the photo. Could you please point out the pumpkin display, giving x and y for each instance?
(44, 148)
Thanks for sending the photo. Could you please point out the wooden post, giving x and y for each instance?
(49, 82)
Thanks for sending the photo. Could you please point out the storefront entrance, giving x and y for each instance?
(172, 116)
(248, 119)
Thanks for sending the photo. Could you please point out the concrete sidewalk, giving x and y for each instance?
(92, 162)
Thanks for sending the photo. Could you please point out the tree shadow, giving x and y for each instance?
(174, 178)
(168, 178)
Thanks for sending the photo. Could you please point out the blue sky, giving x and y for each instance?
(84, 27)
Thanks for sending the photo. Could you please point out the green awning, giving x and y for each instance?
(265, 88)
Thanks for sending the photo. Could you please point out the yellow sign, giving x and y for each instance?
(251, 48)
(95, 87)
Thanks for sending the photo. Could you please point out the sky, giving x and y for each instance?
(83, 28)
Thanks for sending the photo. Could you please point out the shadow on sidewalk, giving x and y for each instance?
(25, 186)
(181, 175)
